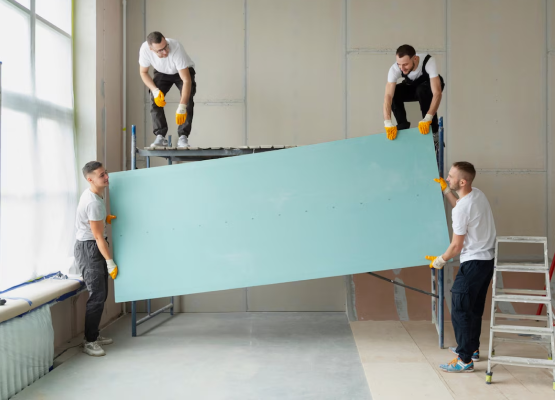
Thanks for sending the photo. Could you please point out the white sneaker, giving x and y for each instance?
(93, 349)
(160, 141)
(182, 142)
(101, 340)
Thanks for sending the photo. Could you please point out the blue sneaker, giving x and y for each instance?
(475, 356)
(457, 365)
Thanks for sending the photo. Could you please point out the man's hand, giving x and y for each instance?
(158, 97)
(109, 219)
(390, 130)
(444, 187)
(436, 262)
(181, 114)
(424, 125)
(112, 268)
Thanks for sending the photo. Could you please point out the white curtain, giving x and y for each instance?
(38, 184)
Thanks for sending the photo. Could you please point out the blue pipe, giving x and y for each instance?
(133, 147)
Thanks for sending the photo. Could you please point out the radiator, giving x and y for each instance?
(26, 350)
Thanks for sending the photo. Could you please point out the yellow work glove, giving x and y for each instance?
(390, 130)
(436, 262)
(109, 219)
(181, 114)
(444, 187)
(158, 97)
(112, 268)
(424, 125)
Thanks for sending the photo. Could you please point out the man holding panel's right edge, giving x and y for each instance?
(474, 239)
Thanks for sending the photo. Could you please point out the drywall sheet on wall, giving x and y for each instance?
(331, 209)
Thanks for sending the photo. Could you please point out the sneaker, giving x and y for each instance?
(475, 356)
(182, 142)
(457, 365)
(101, 340)
(93, 349)
(160, 141)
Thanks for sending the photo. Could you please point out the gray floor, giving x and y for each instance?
(216, 356)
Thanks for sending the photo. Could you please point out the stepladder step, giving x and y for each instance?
(531, 330)
(513, 298)
(523, 362)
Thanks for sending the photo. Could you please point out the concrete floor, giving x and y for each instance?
(284, 356)
(216, 356)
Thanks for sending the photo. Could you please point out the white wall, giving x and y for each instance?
(308, 71)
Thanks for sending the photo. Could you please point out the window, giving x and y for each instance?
(38, 186)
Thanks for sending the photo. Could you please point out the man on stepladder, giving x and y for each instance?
(474, 239)
(92, 254)
(421, 83)
(172, 66)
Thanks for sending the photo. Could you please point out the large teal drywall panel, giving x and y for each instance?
(337, 208)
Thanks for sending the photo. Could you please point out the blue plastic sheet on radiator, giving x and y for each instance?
(331, 209)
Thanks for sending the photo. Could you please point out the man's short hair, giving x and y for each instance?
(406, 50)
(154, 37)
(466, 169)
(90, 167)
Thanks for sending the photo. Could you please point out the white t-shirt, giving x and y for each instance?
(431, 68)
(472, 217)
(177, 58)
(91, 208)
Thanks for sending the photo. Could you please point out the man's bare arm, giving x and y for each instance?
(147, 80)
(97, 228)
(185, 76)
(451, 198)
(388, 98)
(436, 91)
(455, 247)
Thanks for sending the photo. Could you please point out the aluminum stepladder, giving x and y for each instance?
(545, 334)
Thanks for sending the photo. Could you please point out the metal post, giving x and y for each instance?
(133, 318)
(434, 299)
(169, 145)
(440, 273)
(133, 147)
(150, 314)
(133, 166)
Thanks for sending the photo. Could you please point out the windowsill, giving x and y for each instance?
(26, 298)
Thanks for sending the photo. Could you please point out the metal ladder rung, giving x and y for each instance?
(529, 270)
(522, 291)
(521, 267)
(521, 239)
(522, 299)
(522, 317)
(524, 362)
(542, 341)
(522, 329)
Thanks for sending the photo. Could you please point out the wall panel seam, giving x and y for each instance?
(391, 51)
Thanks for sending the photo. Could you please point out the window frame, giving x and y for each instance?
(33, 18)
